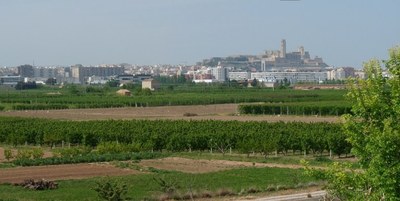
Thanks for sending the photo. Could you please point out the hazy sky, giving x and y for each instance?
(66, 32)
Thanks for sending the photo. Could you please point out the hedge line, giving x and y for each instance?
(87, 158)
(323, 110)
(39, 107)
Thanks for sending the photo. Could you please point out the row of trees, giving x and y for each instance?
(295, 109)
(181, 135)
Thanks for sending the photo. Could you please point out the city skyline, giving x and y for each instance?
(184, 32)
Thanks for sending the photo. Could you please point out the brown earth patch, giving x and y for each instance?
(87, 170)
(61, 172)
(203, 166)
(224, 112)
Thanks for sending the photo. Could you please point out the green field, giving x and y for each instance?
(111, 140)
(144, 186)
(100, 97)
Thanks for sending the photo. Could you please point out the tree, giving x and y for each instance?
(373, 131)
(112, 83)
(111, 190)
(73, 89)
(27, 85)
(51, 81)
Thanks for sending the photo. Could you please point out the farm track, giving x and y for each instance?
(223, 112)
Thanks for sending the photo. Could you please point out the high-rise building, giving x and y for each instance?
(81, 73)
(283, 48)
(25, 71)
(220, 73)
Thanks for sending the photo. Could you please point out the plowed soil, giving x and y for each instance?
(80, 171)
(223, 112)
(203, 166)
(61, 172)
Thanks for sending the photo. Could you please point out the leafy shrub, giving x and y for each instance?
(37, 153)
(8, 154)
(73, 152)
(166, 185)
(110, 148)
(111, 190)
(24, 154)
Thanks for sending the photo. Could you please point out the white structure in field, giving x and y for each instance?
(150, 84)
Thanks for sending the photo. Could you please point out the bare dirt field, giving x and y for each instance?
(203, 166)
(79, 171)
(61, 172)
(224, 112)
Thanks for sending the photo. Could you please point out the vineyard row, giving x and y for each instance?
(180, 135)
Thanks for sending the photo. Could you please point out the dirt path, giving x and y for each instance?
(216, 112)
(61, 172)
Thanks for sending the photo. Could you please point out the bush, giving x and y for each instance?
(111, 190)
(166, 185)
(37, 153)
(110, 148)
(8, 154)
(23, 154)
(73, 152)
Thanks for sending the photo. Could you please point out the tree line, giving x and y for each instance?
(181, 135)
(295, 109)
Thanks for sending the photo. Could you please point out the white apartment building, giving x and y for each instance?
(219, 73)
(292, 77)
(239, 76)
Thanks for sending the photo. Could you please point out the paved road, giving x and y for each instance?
(315, 196)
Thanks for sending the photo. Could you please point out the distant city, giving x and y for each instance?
(269, 67)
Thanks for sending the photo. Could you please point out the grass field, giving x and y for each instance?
(144, 186)
(52, 98)
(238, 180)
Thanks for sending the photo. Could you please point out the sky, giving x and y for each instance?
(148, 32)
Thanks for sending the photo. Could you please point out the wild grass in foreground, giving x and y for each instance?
(146, 187)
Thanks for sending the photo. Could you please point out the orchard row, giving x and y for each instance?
(180, 135)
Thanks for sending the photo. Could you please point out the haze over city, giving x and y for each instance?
(344, 33)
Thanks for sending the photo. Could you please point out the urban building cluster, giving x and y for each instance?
(268, 67)
(272, 67)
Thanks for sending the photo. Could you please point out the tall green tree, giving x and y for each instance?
(373, 131)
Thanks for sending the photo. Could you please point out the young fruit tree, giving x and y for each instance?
(373, 131)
